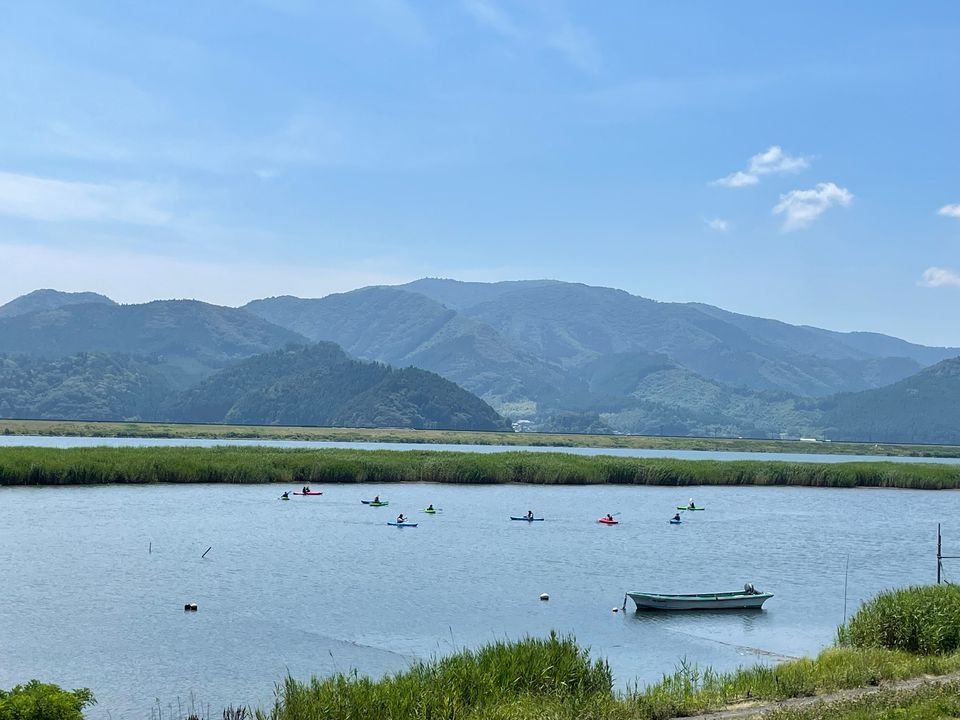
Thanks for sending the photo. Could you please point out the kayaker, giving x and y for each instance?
(529, 514)
(692, 505)
(286, 495)
(430, 507)
(676, 517)
(306, 489)
(376, 499)
(401, 519)
(609, 516)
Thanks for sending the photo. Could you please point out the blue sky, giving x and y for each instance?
(797, 161)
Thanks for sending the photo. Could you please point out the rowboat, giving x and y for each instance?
(747, 599)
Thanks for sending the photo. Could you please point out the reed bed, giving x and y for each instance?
(922, 620)
(228, 464)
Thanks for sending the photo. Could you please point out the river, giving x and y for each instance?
(73, 442)
(95, 578)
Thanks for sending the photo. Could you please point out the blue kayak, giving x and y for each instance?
(675, 522)
(396, 524)
(525, 518)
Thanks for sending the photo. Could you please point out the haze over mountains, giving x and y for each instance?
(561, 356)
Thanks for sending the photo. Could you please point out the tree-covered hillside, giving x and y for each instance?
(321, 385)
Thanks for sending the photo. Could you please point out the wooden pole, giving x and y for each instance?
(939, 554)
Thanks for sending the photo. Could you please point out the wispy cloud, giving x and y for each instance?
(718, 224)
(551, 28)
(952, 211)
(39, 198)
(772, 161)
(491, 16)
(939, 277)
(801, 207)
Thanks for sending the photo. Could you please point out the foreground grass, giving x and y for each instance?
(96, 465)
(554, 678)
(71, 428)
(933, 702)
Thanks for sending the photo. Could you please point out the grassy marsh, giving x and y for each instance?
(231, 464)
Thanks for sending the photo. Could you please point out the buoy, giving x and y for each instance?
(544, 596)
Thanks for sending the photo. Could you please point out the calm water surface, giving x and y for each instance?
(322, 583)
(68, 442)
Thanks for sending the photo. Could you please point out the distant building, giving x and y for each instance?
(521, 425)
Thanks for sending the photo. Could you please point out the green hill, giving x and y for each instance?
(321, 385)
(924, 408)
(87, 386)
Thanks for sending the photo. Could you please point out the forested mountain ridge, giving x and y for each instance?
(49, 300)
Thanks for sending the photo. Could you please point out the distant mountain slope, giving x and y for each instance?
(87, 386)
(189, 339)
(924, 408)
(405, 328)
(49, 300)
(321, 385)
(458, 295)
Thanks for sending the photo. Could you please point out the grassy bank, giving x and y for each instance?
(70, 428)
(87, 466)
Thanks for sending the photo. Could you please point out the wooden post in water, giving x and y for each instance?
(939, 554)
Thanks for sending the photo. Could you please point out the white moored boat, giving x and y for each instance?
(747, 599)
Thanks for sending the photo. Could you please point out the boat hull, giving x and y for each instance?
(716, 601)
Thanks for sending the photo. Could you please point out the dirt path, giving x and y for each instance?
(753, 711)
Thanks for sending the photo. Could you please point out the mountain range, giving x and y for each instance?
(553, 355)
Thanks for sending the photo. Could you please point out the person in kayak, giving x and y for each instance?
(286, 495)
(430, 507)
(529, 514)
(609, 516)
(401, 519)
(676, 517)
(692, 505)
(306, 489)
(376, 499)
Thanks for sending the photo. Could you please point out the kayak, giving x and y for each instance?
(405, 524)
(690, 509)
(429, 511)
(608, 521)
(676, 522)
(378, 504)
(284, 498)
(524, 518)
(312, 492)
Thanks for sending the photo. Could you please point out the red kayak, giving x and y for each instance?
(608, 521)
(312, 492)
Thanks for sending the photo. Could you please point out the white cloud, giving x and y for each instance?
(40, 198)
(772, 161)
(718, 224)
(950, 211)
(939, 277)
(802, 207)
(775, 160)
(737, 179)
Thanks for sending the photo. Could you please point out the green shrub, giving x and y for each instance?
(923, 620)
(40, 701)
